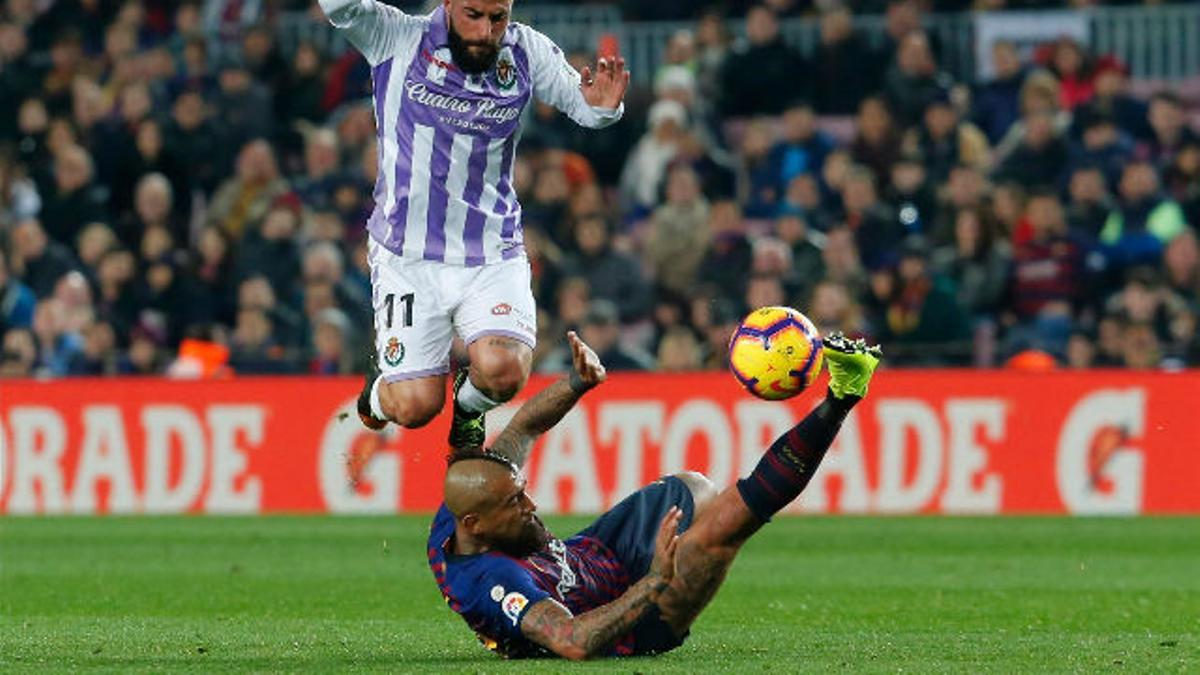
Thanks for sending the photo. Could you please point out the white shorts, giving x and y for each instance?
(419, 304)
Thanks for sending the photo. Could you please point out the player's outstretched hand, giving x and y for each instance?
(605, 88)
(587, 364)
(663, 565)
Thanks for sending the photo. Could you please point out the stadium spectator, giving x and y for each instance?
(19, 198)
(1089, 205)
(1048, 281)
(286, 324)
(36, 259)
(678, 351)
(909, 194)
(978, 263)
(75, 297)
(611, 275)
(244, 199)
(1102, 146)
(333, 345)
(1181, 261)
(712, 48)
(304, 83)
(833, 307)
(1081, 351)
(153, 208)
(965, 188)
(323, 263)
(729, 257)
(316, 185)
(243, 105)
(801, 148)
(1074, 68)
(914, 80)
(762, 75)
(116, 300)
(1146, 300)
(647, 164)
(877, 141)
(601, 329)
(254, 347)
(1040, 159)
(16, 300)
(75, 200)
(19, 355)
(57, 346)
(877, 229)
(915, 310)
(679, 232)
(1144, 220)
(208, 281)
(759, 189)
(805, 265)
(1170, 128)
(944, 141)
(195, 142)
(840, 79)
(99, 354)
(1140, 347)
(997, 102)
(1112, 98)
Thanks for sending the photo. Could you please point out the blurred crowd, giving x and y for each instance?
(165, 207)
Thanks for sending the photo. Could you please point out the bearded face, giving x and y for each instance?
(473, 57)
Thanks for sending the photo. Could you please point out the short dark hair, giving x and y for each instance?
(475, 452)
(1167, 96)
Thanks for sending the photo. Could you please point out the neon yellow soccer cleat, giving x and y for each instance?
(851, 364)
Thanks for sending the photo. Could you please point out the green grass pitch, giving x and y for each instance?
(322, 594)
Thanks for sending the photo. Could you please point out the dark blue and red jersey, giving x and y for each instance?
(492, 591)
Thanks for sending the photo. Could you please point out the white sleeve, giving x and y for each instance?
(374, 28)
(556, 83)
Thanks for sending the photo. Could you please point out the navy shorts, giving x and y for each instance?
(629, 529)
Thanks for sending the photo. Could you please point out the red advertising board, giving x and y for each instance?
(923, 442)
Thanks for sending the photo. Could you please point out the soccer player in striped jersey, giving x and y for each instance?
(445, 248)
(634, 580)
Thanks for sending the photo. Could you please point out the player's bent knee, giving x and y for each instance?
(702, 489)
(501, 371)
(411, 405)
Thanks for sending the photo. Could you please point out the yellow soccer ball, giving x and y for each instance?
(775, 353)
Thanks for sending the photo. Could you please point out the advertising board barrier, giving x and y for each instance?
(951, 442)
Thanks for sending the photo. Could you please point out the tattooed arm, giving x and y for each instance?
(543, 411)
(552, 625)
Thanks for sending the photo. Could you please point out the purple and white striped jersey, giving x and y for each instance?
(447, 139)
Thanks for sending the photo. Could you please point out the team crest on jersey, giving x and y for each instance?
(506, 69)
(512, 604)
(393, 353)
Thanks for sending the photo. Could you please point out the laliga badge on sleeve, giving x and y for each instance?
(512, 605)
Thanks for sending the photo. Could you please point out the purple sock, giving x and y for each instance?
(793, 458)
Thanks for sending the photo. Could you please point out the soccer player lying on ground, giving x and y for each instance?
(635, 580)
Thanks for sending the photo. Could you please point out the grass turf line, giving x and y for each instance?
(209, 594)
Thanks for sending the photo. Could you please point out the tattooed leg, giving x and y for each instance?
(707, 549)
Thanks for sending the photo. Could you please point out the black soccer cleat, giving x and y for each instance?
(365, 415)
(467, 429)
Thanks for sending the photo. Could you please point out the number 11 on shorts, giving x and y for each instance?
(407, 301)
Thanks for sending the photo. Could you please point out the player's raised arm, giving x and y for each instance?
(594, 99)
(552, 625)
(545, 409)
(375, 29)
